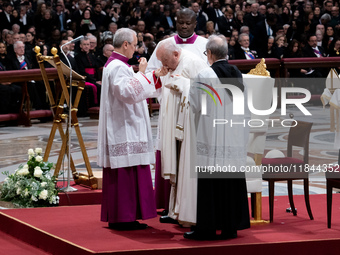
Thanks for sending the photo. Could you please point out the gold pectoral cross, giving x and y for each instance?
(183, 104)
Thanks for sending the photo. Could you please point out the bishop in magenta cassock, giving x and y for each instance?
(125, 147)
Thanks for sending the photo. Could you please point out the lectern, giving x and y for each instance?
(57, 105)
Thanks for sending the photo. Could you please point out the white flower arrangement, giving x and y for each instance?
(31, 185)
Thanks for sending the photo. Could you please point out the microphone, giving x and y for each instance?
(73, 41)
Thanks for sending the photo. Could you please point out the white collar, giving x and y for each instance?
(185, 39)
(245, 49)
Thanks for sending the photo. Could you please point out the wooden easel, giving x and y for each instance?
(57, 107)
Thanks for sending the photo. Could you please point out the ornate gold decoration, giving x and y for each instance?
(37, 49)
(54, 51)
(260, 69)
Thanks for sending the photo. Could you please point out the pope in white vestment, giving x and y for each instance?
(182, 205)
(188, 40)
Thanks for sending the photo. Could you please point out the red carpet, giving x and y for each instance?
(77, 230)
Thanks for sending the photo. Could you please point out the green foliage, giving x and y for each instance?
(32, 184)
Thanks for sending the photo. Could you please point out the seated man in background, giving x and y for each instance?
(36, 89)
(87, 66)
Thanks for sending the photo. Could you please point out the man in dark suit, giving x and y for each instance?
(213, 12)
(10, 96)
(263, 30)
(243, 51)
(168, 21)
(226, 23)
(6, 17)
(36, 89)
(77, 16)
(62, 17)
(311, 50)
(252, 18)
(201, 18)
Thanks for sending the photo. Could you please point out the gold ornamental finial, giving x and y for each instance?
(37, 49)
(54, 51)
(260, 69)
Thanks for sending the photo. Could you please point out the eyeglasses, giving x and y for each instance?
(205, 52)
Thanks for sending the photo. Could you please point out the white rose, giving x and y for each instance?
(37, 172)
(38, 151)
(23, 171)
(38, 158)
(18, 191)
(31, 152)
(43, 194)
(25, 166)
(33, 198)
(43, 184)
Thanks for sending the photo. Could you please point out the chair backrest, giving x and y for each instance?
(299, 136)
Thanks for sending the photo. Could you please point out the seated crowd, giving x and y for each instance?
(253, 29)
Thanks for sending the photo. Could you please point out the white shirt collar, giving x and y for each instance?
(185, 39)
(245, 49)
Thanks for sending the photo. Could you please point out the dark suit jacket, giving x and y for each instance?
(251, 21)
(201, 22)
(15, 65)
(225, 26)
(211, 12)
(239, 53)
(308, 52)
(260, 41)
(164, 23)
(4, 23)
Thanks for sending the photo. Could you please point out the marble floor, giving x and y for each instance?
(15, 141)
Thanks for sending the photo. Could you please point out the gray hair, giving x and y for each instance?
(271, 37)
(326, 16)
(92, 36)
(218, 46)
(243, 28)
(15, 45)
(240, 37)
(122, 35)
(85, 38)
(169, 45)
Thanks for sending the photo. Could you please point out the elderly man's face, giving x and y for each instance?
(185, 25)
(244, 41)
(169, 60)
(20, 49)
(108, 50)
(93, 43)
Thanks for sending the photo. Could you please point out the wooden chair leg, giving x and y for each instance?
(306, 190)
(271, 187)
(329, 204)
(290, 196)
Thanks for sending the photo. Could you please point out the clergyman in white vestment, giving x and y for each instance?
(125, 147)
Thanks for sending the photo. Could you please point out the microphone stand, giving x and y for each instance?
(68, 188)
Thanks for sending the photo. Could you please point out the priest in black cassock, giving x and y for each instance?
(222, 202)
